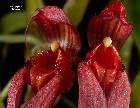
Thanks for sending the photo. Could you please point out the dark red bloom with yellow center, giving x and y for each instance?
(103, 82)
(49, 72)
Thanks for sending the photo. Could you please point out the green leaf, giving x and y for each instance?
(4, 92)
(32, 5)
(133, 12)
(135, 100)
(125, 51)
(15, 39)
(1, 104)
(13, 21)
(75, 10)
(137, 41)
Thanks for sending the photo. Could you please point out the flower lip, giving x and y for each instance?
(45, 65)
(44, 58)
(42, 68)
(105, 56)
(105, 64)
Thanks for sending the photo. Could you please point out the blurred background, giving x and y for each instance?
(14, 17)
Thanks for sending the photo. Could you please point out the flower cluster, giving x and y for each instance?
(103, 82)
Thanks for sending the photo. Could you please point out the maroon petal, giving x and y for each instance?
(120, 93)
(15, 91)
(110, 22)
(47, 95)
(55, 25)
(91, 94)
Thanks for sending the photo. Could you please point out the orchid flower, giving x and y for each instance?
(103, 81)
(102, 78)
(49, 72)
(110, 22)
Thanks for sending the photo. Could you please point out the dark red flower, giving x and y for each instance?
(49, 72)
(103, 82)
(110, 22)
